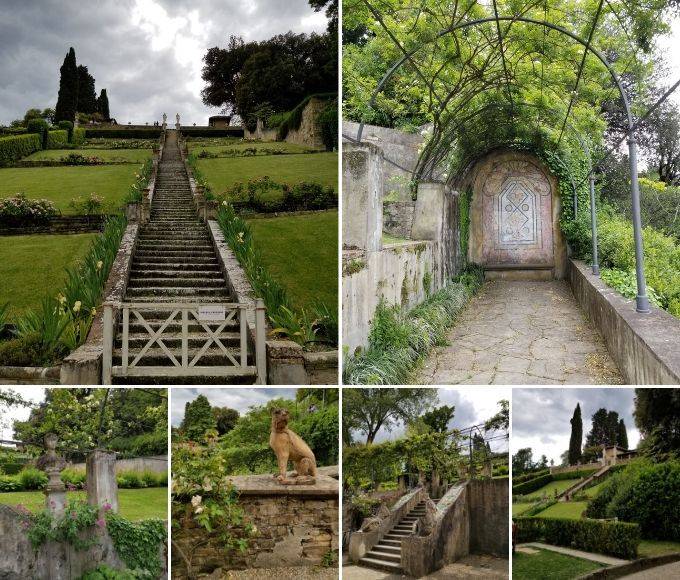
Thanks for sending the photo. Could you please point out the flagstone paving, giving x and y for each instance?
(521, 332)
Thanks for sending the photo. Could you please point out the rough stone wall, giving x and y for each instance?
(292, 531)
(488, 504)
(157, 464)
(401, 155)
(398, 218)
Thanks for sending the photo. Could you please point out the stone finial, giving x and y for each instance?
(288, 445)
(53, 464)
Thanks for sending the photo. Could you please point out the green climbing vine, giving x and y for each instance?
(138, 543)
(44, 527)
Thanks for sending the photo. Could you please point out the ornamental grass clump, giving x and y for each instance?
(399, 340)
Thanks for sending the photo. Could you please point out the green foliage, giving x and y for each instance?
(142, 445)
(527, 476)
(198, 419)
(20, 211)
(104, 572)
(577, 474)
(576, 438)
(657, 416)
(141, 181)
(122, 133)
(611, 538)
(138, 543)
(16, 147)
(399, 340)
(67, 99)
(31, 478)
(57, 139)
(464, 203)
(532, 484)
(44, 527)
(78, 136)
(320, 430)
(645, 493)
(103, 105)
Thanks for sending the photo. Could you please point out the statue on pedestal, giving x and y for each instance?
(165, 120)
(177, 124)
(289, 446)
(52, 464)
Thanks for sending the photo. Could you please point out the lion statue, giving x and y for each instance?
(289, 446)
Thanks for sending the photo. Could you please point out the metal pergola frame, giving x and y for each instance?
(642, 301)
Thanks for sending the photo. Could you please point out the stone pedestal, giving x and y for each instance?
(429, 211)
(102, 487)
(362, 193)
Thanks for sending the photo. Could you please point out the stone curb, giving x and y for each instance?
(636, 566)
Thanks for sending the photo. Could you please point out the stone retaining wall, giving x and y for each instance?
(155, 463)
(644, 346)
(59, 225)
(398, 218)
(297, 525)
(489, 503)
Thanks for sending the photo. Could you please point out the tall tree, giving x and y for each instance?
(225, 419)
(87, 96)
(372, 409)
(657, 416)
(198, 419)
(576, 439)
(67, 100)
(103, 105)
(604, 429)
(622, 439)
(438, 418)
(522, 461)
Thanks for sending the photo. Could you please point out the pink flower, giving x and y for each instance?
(107, 507)
(101, 523)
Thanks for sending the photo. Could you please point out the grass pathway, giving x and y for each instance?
(541, 564)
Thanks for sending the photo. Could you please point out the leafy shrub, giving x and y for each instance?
(138, 543)
(532, 485)
(31, 478)
(130, 480)
(89, 206)
(141, 181)
(328, 121)
(14, 148)
(66, 126)
(29, 350)
(612, 538)
(9, 483)
(20, 210)
(11, 467)
(73, 477)
(577, 474)
(248, 459)
(150, 133)
(141, 445)
(78, 159)
(398, 339)
(57, 139)
(78, 136)
(527, 476)
(38, 126)
(104, 572)
(309, 196)
(625, 283)
(644, 493)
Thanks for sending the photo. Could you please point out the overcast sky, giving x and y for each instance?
(20, 413)
(540, 417)
(146, 53)
(239, 399)
(474, 405)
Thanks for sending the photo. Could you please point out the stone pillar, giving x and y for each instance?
(102, 487)
(55, 491)
(429, 213)
(362, 195)
(487, 469)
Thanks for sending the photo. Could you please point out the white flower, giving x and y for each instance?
(196, 501)
(100, 264)
(77, 305)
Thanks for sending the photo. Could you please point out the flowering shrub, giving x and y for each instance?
(19, 210)
(44, 527)
(89, 206)
(141, 181)
(78, 159)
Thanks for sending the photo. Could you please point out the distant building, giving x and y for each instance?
(219, 121)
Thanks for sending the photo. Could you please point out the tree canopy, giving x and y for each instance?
(657, 416)
(67, 99)
(576, 439)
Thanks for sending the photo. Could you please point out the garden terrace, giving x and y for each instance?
(117, 155)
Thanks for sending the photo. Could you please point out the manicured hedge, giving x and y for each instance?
(532, 485)
(57, 139)
(603, 537)
(208, 132)
(578, 474)
(141, 445)
(78, 136)
(11, 468)
(150, 133)
(527, 476)
(13, 148)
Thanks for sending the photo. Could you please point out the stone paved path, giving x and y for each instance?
(521, 333)
(599, 558)
(473, 566)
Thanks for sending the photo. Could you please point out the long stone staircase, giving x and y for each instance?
(567, 494)
(175, 261)
(386, 554)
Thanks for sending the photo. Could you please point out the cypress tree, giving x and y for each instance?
(103, 105)
(87, 96)
(576, 436)
(622, 438)
(67, 101)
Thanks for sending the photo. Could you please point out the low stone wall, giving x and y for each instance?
(644, 346)
(155, 463)
(59, 225)
(297, 525)
(488, 503)
(398, 218)
(30, 375)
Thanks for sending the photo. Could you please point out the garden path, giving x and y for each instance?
(521, 332)
(600, 558)
(667, 571)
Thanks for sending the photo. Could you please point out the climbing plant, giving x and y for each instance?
(138, 543)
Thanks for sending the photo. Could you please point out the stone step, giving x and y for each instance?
(384, 557)
(155, 318)
(171, 244)
(212, 357)
(381, 565)
(396, 535)
(393, 543)
(186, 253)
(162, 262)
(174, 340)
(182, 293)
(176, 282)
(387, 549)
(150, 273)
(240, 378)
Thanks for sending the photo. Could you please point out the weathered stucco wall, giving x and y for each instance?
(398, 218)
(488, 504)
(644, 346)
(514, 215)
(157, 464)
(297, 525)
(401, 155)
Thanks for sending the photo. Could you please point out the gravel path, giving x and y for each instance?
(521, 333)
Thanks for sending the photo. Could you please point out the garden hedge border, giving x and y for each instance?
(150, 133)
(57, 139)
(532, 485)
(208, 132)
(13, 148)
(619, 539)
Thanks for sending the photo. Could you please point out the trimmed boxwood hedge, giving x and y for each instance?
(617, 539)
(57, 139)
(578, 474)
(208, 132)
(532, 485)
(13, 148)
(150, 133)
(527, 476)
(78, 136)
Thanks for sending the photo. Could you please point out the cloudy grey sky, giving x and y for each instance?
(540, 417)
(474, 405)
(146, 53)
(8, 416)
(239, 399)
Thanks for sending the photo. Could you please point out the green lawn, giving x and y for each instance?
(390, 239)
(649, 548)
(591, 492)
(135, 504)
(301, 252)
(519, 508)
(33, 266)
(61, 184)
(554, 486)
(215, 146)
(571, 510)
(127, 155)
(547, 564)
(311, 167)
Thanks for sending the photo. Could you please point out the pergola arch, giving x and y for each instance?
(642, 303)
